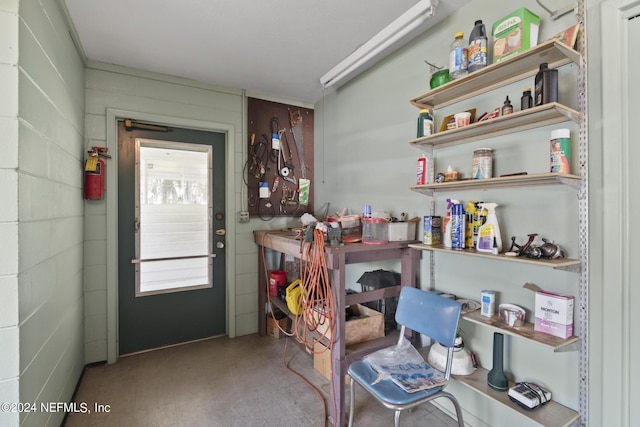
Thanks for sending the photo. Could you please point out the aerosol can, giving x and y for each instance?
(489, 239)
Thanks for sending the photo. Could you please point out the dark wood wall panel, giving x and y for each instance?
(286, 166)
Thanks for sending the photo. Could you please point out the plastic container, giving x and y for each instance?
(489, 238)
(439, 78)
(507, 108)
(526, 101)
(375, 231)
(277, 278)
(423, 163)
(482, 163)
(546, 88)
(351, 228)
(560, 151)
(458, 57)
(462, 119)
(425, 123)
(477, 47)
(488, 303)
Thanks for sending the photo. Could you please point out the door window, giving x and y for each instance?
(174, 249)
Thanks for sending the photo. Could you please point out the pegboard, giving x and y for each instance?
(279, 164)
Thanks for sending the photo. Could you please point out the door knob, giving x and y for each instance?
(219, 245)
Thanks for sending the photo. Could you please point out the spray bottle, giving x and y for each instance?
(489, 239)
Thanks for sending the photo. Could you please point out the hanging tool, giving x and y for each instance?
(286, 171)
(295, 119)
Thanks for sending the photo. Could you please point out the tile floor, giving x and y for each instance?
(223, 382)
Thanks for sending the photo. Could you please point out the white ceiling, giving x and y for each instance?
(278, 48)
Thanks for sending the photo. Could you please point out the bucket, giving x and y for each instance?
(277, 278)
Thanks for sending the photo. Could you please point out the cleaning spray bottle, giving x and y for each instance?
(489, 239)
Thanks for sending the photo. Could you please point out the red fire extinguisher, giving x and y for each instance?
(94, 173)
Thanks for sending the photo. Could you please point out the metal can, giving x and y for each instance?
(488, 306)
(482, 163)
(432, 230)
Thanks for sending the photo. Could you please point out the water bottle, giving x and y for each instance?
(478, 47)
(458, 57)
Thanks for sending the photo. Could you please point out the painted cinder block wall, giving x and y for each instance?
(42, 213)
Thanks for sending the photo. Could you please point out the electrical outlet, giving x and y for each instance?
(243, 216)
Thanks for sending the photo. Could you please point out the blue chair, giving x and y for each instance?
(426, 313)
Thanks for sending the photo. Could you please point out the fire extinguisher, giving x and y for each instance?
(94, 172)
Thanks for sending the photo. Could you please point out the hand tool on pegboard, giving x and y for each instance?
(295, 119)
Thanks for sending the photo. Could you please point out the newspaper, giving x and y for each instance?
(403, 365)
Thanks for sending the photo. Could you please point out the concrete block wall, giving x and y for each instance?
(41, 216)
(9, 332)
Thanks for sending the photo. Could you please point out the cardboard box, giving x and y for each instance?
(514, 33)
(322, 361)
(554, 314)
(274, 330)
(402, 231)
(369, 325)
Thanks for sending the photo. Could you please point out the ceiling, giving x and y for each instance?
(276, 48)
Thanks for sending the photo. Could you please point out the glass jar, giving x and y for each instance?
(482, 163)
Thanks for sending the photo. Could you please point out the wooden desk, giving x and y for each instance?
(337, 258)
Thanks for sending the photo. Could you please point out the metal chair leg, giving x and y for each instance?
(456, 405)
(352, 403)
(396, 419)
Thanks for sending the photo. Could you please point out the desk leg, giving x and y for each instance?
(262, 294)
(338, 353)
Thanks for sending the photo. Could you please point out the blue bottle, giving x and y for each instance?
(458, 221)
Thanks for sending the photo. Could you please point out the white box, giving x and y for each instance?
(402, 231)
(554, 314)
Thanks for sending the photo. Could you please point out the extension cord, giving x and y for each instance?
(529, 395)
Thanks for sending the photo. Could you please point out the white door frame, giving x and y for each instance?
(111, 197)
(610, 399)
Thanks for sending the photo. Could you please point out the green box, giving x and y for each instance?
(514, 33)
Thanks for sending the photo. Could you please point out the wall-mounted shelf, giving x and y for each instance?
(495, 76)
(542, 115)
(557, 264)
(500, 182)
(527, 332)
(552, 414)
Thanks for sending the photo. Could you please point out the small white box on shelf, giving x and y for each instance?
(554, 314)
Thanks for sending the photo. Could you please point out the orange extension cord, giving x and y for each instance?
(317, 304)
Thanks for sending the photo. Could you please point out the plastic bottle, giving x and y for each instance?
(422, 170)
(470, 209)
(458, 218)
(458, 57)
(546, 85)
(489, 239)
(507, 108)
(526, 101)
(560, 151)
(446, 224)
(425, 123)
(477, 47)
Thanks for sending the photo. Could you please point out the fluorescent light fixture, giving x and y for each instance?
(391, 37)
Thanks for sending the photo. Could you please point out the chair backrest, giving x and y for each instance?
(429, 314)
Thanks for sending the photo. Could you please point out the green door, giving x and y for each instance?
(171, 236)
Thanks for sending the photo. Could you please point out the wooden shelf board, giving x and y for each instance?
(542, 115)
(527, 331)
(513, 69)
(500, 182)
(552, 414)
(560, 263)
